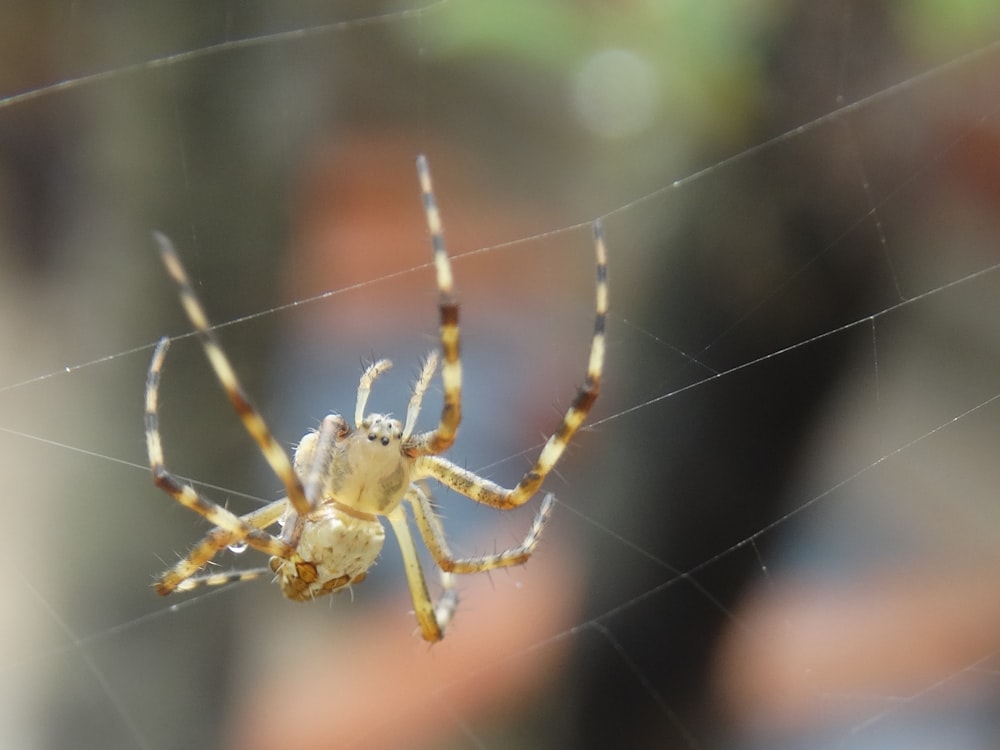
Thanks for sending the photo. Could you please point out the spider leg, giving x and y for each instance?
(315, 454)
(313, 458)
(181, 577)
(221, 579)
(419, 389)
(490, 493)
(231, 527)
(365, 388)
(433, 619)
(252, 420)
(429, 525)
(441, 438)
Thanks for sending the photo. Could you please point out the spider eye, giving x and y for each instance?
(371, 435)
(385, 441)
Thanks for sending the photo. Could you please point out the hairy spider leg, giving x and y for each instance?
(429, 525)
(490, 493)
(254, 423)
(440, 439)
(230, 527)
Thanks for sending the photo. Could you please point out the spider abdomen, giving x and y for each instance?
(334, 550)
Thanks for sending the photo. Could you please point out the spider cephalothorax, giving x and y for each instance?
(344, 479)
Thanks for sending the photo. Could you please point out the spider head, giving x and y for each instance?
(369, 471)
(379, 430)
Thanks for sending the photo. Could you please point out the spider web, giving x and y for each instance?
(777, 531)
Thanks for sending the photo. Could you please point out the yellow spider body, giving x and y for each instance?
(343, 480)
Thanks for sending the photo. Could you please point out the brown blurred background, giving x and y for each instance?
(754, 547)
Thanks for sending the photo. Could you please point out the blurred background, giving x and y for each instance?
(780, 530)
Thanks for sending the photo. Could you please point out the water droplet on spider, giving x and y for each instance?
(238, 548)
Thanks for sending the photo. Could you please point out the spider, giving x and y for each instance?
(343, 478)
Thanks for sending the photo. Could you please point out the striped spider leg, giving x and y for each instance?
(345, 477)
